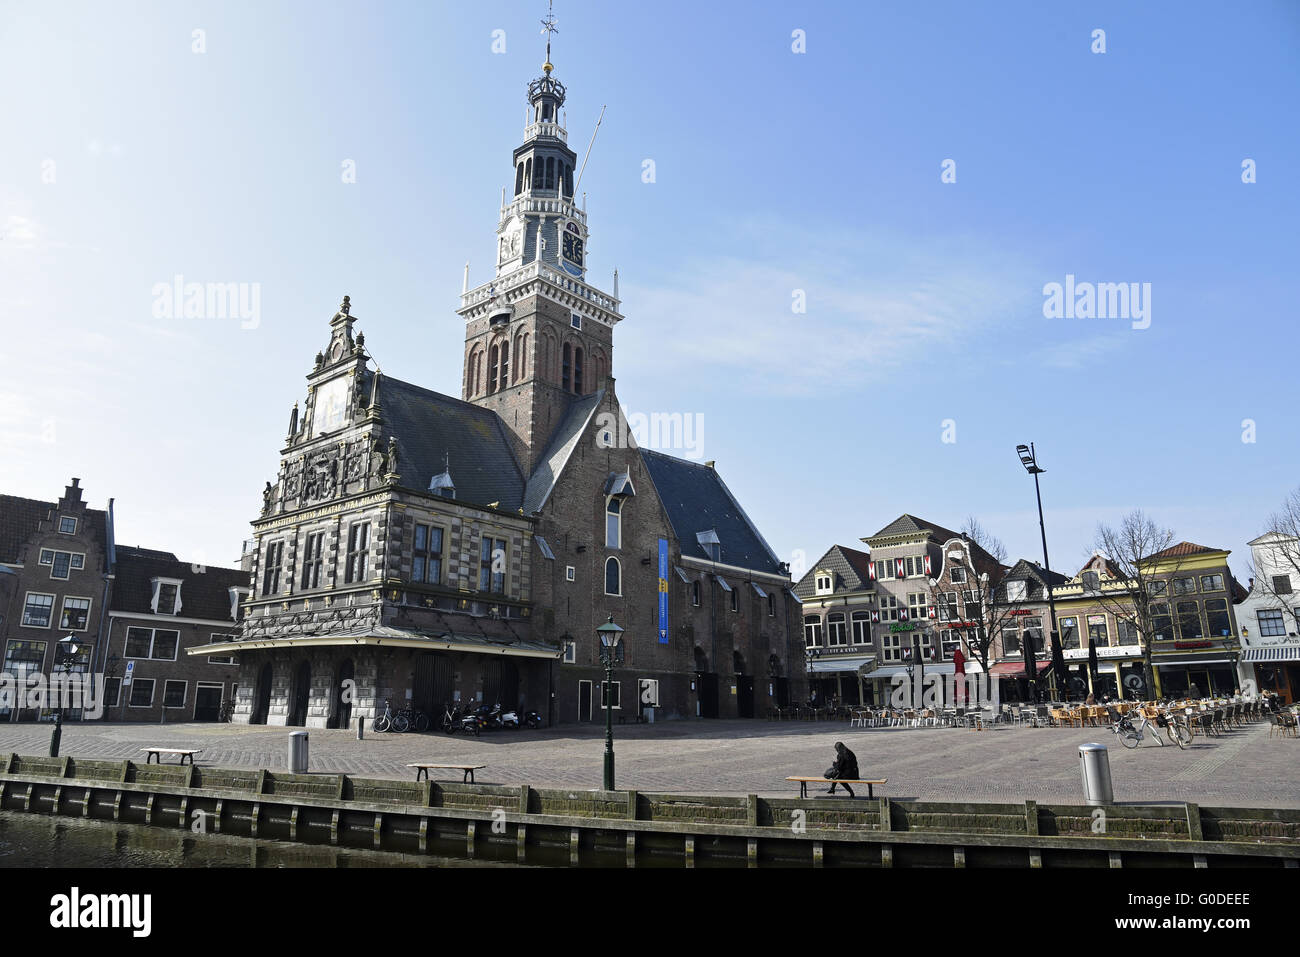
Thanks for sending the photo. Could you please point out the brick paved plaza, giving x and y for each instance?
(1244, 767)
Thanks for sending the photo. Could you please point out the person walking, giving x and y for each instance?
(845, 766)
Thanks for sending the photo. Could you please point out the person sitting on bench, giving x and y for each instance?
(845, 766)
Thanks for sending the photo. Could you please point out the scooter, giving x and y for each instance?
(532, 720)
(509, 719)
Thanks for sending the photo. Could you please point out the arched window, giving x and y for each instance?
(472, 372)
(613, 522)
(577, 371)
(492, 370)
(613, 577)
(505, 362)
(565, 372)
(528, 173)
(695, 593)
(519, 179)
(568, 180)
(550, 173)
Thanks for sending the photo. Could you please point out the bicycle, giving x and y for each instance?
(388, 721)
(416, 719)
(1132, 736)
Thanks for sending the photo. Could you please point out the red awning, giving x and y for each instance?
(1012, 668)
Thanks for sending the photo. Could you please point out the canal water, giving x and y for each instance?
(34, 840)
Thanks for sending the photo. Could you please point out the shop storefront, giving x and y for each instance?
(1275, 668)
(1210, 672)
(840, 678)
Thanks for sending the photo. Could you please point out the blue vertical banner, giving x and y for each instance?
(663, 591)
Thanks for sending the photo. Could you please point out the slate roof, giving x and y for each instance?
(203, 594)
(1024, 569)
(907, 524)
(850, 567)
(433, 429)
(551, 463)
(19, 518)
(696, 500)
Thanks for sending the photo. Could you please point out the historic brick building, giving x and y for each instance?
(419, 548)
(62, 576)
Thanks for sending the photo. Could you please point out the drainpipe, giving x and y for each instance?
(100, 656)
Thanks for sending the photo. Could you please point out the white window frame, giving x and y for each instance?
(891, 646)
(617, 703)
(153, 637)
(617, 537)
(117, 698)
(72, 565)
(832, 630)
(860, 626)
(605, 569)
(90, 603)
(575, 321)
(185, 694)
(157, 584)
(1017, 590)
(153, 687)
(956, 571)
(569, 573)
(27, 597)
(570, 653)
(199, 685)
(825, 583)
(1280, 621)
(816, 627)
(67, 518)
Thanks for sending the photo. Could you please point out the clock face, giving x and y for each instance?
(573, 248)
(331, 404)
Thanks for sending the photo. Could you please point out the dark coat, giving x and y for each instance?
(846, 765)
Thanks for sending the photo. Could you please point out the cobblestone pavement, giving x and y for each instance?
(1244, 767)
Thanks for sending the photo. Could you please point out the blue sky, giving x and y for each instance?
(775, 171)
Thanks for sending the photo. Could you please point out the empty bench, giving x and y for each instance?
(804, 782)
(155, 754)
(466, 769)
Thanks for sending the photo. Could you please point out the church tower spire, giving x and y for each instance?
(538, 336)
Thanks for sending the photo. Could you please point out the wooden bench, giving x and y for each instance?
(467, 770)
(804, 782)
(155, 754)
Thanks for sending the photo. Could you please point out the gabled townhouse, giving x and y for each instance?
(1269, 618)
(838, 601)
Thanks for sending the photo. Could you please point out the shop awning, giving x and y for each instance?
(1173, 662)
(1011, 669)
(1272, 653)
(851, 663)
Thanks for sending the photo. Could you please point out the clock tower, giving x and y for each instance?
(538, 336)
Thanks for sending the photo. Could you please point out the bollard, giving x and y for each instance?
(56, 735)
(361, 727)
(1094, 770)
(298, 752)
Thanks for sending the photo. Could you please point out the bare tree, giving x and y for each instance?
(1283, 560)
(1136, 587)
(981, 568)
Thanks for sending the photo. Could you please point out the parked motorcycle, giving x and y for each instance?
(532, 720)
(509, 719)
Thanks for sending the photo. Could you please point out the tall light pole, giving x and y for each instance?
(67, 649)
(1030, 462)
(611, 652)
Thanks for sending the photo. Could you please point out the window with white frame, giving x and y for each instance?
(888, 607)
(862, 627)
(949, 641)
(825, 584)
(1017, 590)
(38, 610)
(166, 596)
(76, 614)
(1281, 584)
(916, 606)
(957, 576)
(1069, 632)
(614, 578)
(812, 631)
(615, 692)
(174, 693)
(569, 575)
(1270, 621)
(614, 522)
(891, 646)
(570, 652)
(62, 564)
(1184, 586)
(1126, 631)
(67, 525)
(835, 630)
(948, 610)
(884, 570)
(1011, 639)
(141, 693)
(154, 643)
(1211, 583)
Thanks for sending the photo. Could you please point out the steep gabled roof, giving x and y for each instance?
(697, 500)
(205, 590)
(907, 524)
(1024, 570)
(851, 566)
(550, 465)
(20, 517)
(434, 430)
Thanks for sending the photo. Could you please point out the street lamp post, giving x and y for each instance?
(67, 649)
(1029, 460)
(611, 653)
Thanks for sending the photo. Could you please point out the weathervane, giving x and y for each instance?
(548, 27)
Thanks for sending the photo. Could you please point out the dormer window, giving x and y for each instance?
(1091, 581)
(166, 596)
(825, 583)
(67, 526)
(237, 595)
(1017, 590)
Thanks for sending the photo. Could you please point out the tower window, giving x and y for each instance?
(549, 182)
(565, 371)
(505, 362)
(613, 522)
(492, 369)
(519, 179)
(613, 577)
(528, 173)
(575, 320)
(577, 371)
